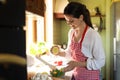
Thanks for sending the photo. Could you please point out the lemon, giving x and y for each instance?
(55, 50)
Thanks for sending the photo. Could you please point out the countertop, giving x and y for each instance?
(37, 66)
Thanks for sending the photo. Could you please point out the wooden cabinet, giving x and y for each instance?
(36, 6)
(12, 12)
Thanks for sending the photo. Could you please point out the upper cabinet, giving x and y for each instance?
(36, 6)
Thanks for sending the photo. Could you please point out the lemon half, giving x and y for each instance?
(55, 50)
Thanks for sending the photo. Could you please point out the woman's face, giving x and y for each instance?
(72, 21)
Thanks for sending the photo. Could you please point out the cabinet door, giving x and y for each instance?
(12, 12)
(35, 6)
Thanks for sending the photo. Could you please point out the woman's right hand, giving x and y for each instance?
(61, 53)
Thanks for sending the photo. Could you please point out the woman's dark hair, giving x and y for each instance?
(76, 9)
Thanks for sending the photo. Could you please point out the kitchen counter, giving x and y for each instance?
(43, 65)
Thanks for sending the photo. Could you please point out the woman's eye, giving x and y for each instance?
(70, 21)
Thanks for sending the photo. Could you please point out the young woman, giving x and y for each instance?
(84, 44)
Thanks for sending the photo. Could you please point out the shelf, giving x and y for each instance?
(61, 16)
(97, 15)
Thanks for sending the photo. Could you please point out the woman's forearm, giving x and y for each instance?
(81, 64)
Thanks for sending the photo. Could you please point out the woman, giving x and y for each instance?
(84, 44)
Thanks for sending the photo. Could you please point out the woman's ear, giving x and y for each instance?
(81, 17)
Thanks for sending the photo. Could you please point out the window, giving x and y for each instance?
(34, 29)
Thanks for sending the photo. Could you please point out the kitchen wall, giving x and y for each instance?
(61, 29)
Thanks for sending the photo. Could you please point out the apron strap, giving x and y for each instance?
(83, 35)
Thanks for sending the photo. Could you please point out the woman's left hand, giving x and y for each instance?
(71, 66)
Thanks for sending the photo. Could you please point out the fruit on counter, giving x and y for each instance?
(55, 50)
(39, 48)
(57, 73)
(42, 49)
(58, 63)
